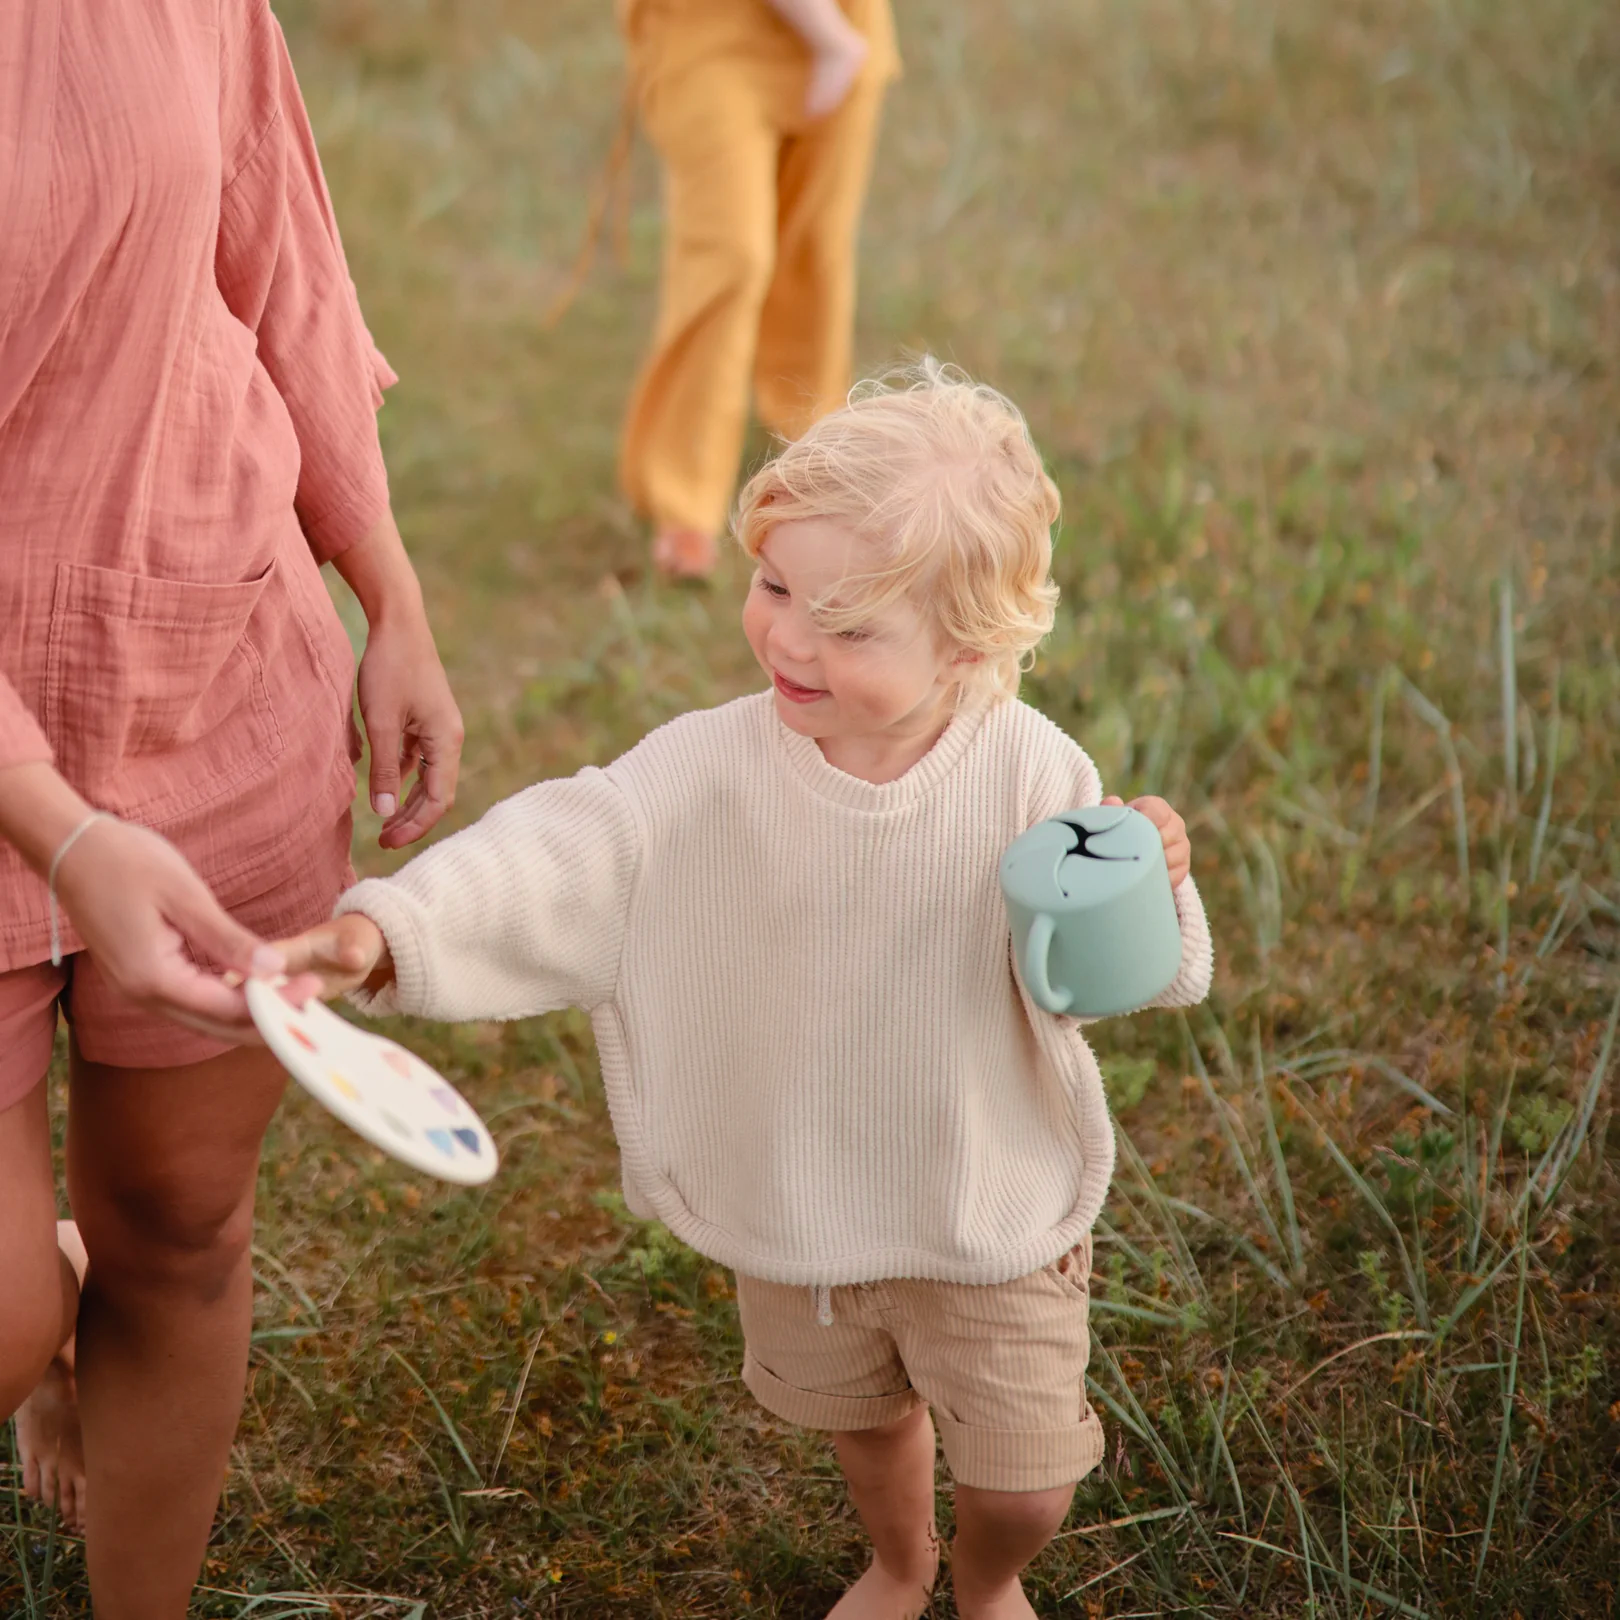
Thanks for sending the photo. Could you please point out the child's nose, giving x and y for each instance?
(790, 644)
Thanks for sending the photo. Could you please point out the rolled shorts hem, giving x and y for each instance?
(811, 1409)
(1020, 1459)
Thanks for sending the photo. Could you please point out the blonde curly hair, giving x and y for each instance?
(939, 475)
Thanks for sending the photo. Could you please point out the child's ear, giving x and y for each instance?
(966, 655)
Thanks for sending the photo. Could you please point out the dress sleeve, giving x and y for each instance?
(522, 913)
(280, 267)
(21, 740)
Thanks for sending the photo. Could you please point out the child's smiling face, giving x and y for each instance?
(888, 680)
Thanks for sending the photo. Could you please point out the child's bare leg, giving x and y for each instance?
(49, 1444)
(997, 1534)
(890, 1472)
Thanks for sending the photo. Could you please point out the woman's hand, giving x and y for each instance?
(1172, 829)
(348, 953)
(412, 723)
(148, 919)
(411, 719)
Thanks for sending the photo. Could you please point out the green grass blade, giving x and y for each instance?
(1509, 1386)
(1545, 812)
(1279, 1168)
(444, 1416)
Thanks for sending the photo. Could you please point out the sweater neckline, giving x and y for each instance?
(811, 765)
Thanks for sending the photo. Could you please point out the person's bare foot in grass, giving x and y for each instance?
(878, 1595)
(685, 553)
(48, 1439)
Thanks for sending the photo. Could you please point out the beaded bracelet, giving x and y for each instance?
(50, 882)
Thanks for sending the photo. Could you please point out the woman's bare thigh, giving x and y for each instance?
(165, 1160)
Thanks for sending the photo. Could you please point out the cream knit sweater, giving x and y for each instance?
(821, 1066)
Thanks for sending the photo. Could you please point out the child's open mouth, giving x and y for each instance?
(793, 692)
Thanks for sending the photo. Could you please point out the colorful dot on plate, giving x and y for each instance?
(302, 1039)
(397, 1125)
(468, 1139)
(398, 1061)
(447, 1099)
(441, 1140)
(342, 1086)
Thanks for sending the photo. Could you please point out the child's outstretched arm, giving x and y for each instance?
(838, 50)
(519, 914)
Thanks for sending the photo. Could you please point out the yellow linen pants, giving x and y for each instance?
(758, 282)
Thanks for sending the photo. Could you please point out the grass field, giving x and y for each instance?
(1315, 309)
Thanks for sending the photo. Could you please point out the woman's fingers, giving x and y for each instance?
(434, 790)
(183, 992)
(384, 733)
(211, 931)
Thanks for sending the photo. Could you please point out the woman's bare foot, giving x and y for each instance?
(685, 553)
(880, 1595)
(48, 1438)
(834, 69)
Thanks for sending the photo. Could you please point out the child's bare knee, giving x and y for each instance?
(881, 1435)
(1021, 1515)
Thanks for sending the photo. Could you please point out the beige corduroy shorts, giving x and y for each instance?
(1002, 1366)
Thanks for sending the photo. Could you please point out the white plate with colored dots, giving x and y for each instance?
(378, 1089)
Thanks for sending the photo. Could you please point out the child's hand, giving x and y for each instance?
(1172, 829)
(345, 954)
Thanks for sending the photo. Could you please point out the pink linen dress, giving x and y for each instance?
(188, 402)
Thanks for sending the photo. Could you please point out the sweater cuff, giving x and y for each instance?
(395, 914)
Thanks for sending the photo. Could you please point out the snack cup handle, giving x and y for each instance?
(1037, 949)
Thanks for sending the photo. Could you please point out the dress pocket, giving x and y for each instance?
(155, 696)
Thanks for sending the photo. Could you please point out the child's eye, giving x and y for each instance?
(855, 635)
(771, 588)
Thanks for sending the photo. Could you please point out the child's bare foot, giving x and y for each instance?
(879, 1595)
(48, 1439)
(834, 69)
(1010, 1603)
(685, 553)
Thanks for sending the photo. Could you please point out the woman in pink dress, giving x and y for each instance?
(188, 431)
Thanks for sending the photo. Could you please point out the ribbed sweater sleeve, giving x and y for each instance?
(522, 913)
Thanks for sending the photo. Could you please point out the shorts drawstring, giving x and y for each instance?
(822, 1295)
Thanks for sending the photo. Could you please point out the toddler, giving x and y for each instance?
(784, 915)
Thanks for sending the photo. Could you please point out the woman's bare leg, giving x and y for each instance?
(161, 1171)
(39, 1288)
(49, 1442)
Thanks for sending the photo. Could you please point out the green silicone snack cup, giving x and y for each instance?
(1094, 923)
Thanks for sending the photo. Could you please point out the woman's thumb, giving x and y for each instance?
(214, 937)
